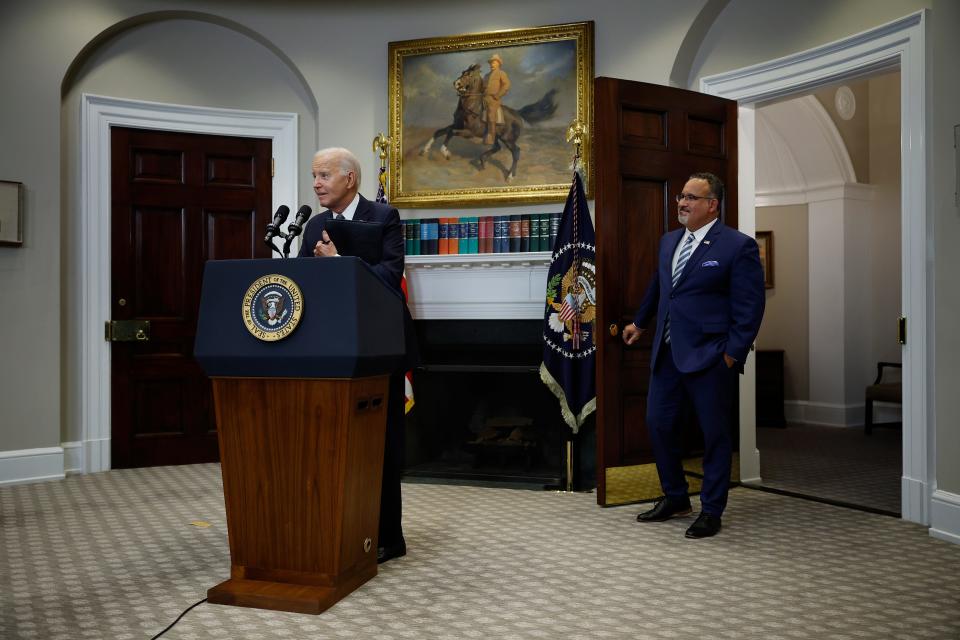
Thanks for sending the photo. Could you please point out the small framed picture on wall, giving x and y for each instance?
(765, 241)
(11, 213)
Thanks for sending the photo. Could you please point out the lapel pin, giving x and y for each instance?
(706, 242)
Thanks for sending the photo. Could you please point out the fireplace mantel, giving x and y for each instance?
(485, 286)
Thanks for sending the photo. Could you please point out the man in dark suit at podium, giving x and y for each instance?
(336, 181)
(707, 296)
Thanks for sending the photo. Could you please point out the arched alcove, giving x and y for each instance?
(186, 71)
(101, 39)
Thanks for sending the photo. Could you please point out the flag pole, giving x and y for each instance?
(381, 147)
(575, 133)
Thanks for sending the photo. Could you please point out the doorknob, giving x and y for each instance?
(614, 330)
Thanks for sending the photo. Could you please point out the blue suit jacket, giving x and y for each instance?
(718, 302)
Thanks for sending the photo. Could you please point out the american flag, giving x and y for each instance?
(408, 382)
(570, 310)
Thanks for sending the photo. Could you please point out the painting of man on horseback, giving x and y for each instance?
(481, 116)
(456, 118)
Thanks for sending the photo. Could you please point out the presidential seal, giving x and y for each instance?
(571, 310)
(272, 307)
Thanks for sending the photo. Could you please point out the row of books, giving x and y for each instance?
(481, 234)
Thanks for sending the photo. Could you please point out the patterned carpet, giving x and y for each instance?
(843, 465)
(115, 555)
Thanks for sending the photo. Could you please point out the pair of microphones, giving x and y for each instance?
(294, 230)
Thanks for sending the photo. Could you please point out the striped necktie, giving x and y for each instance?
(684, 256)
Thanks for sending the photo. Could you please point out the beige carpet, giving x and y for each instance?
(115, 555)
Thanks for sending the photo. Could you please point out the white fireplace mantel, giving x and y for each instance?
(481, 286)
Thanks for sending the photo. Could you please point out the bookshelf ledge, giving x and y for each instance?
(478, 260)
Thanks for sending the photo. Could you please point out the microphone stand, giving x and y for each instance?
(269, 242)
(296, 228)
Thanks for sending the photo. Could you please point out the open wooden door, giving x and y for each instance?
(647, 140)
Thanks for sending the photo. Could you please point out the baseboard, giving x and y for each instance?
(72, 458)
(839, 415)
(31, 465)
(834, 415)
(945, 516)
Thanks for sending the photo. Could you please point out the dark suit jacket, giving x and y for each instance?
(718, 302)
(390, 267)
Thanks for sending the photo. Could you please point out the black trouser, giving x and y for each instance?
(391, 531)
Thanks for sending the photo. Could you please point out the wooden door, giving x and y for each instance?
(178, 200)
(648, 139)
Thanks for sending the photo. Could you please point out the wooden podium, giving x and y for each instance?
(301, 422)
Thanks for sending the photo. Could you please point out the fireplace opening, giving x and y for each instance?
(481, 412)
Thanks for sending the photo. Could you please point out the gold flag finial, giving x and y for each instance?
(575, 135)
(381, 144)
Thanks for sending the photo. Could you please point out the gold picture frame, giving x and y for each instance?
(765, 243)
(11, 213)
(550, 72)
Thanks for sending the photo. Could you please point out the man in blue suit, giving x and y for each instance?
(336, 181)
(708, 297)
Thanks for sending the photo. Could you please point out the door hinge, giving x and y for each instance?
(273, 167)
(902, 330)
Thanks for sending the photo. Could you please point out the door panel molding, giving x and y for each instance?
(901, 43)
(90, 381)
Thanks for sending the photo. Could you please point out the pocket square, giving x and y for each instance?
(710, 263)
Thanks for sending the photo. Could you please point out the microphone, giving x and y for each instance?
(296, 227)
(273, 228)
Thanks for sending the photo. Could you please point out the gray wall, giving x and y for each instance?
(745, 34)
(210, 65)
(942, 185)
(339, 50)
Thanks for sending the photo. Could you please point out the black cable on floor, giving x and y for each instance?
(185, 612)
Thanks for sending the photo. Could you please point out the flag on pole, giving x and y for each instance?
(408, 378)
(569, 352)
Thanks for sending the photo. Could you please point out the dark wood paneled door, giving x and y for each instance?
(178, 200)
(648, 139)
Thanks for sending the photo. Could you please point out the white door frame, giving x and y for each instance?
(901, 43)
(91, 382)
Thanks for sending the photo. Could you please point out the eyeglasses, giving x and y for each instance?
(689, 197)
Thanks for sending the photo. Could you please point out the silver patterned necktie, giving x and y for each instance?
(685, 252)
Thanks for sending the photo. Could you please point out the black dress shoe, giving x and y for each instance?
(389, 552)
(704, 526)
(666, 508)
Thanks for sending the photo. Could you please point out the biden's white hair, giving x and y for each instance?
(344, 159)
